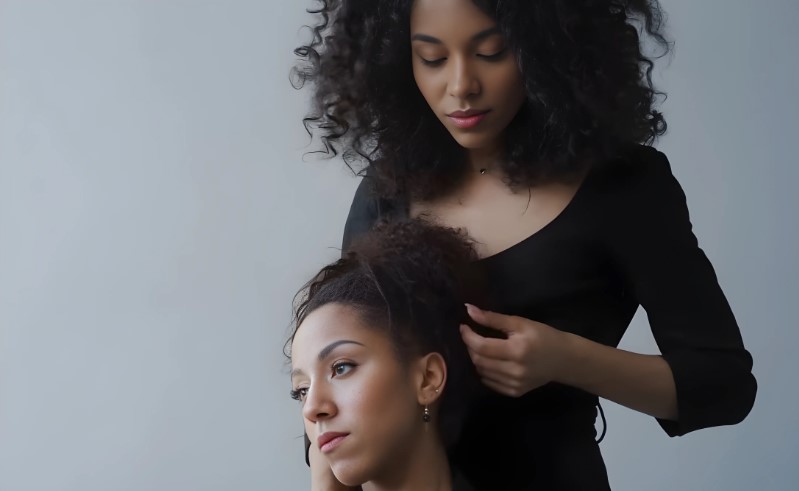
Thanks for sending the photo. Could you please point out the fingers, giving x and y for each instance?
(503, 376)
(508, 386)
(500, 322)
(502, 388)
(486, 364)
(498, 349)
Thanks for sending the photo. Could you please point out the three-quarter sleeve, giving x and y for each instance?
(651, 239)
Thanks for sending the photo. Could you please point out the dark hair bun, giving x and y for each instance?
(407, 277)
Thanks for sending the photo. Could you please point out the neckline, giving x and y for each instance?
(581, 190)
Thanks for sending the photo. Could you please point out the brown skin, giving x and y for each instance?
(461, 61)
(350, 380)
(535, 354)
(474, 68)
(498, 217)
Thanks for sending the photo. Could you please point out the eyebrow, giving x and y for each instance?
(326, 351)
(330, 347)
(477, 37)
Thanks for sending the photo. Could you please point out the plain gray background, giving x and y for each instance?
(156, 217)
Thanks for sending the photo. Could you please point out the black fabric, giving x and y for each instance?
(459, 483)
(625, 240)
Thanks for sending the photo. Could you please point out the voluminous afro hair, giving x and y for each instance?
(584, 63)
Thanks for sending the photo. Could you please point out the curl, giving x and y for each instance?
(586, 73)
(406, 278)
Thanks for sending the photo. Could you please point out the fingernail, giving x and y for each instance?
(472, 309)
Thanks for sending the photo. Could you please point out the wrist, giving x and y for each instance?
(574, 357)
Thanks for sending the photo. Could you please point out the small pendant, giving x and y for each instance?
(482, 171)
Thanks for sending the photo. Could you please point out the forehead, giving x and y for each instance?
(330, 323)
(456, 16)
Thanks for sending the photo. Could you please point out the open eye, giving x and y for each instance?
(299, 394)
(342, 368)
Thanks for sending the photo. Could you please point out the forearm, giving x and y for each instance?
(641, 382)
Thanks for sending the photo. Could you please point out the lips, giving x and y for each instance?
(330, 440)
(468, 118)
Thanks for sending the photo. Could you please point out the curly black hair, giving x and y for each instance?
(585, 69)
(405, 277)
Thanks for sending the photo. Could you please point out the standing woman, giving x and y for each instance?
(527, 124)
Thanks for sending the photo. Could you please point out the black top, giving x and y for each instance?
(624, 240)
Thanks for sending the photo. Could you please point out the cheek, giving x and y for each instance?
(509, 79)
(387, 402)
(426, 83)
(373, 400)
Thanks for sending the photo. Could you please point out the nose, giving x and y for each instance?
(318, 404)
(463, 79)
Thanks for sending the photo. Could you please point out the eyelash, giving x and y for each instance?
(342, 364)
(302, 392)
(434, 63)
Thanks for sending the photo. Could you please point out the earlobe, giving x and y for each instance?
(433, 378)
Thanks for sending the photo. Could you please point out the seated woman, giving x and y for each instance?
(378, 363)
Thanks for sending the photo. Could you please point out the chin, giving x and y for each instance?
(472, 142)
(350, 475)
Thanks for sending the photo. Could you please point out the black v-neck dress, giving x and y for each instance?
(624, 240)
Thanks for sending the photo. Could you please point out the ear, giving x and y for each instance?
(432, 377)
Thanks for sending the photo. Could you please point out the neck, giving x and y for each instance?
(484, 159)
(424, 468)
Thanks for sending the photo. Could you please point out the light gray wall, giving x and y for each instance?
(733, 128)
(156, 218)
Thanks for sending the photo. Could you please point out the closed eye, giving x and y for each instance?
(493, 57)
(435, 62)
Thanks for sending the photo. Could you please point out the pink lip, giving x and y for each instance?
(467, 119)
(330, 440)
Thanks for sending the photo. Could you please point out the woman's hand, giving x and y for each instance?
(322, 477)
(535, 354)
(532, 355)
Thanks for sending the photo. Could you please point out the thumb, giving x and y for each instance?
(494, 320)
